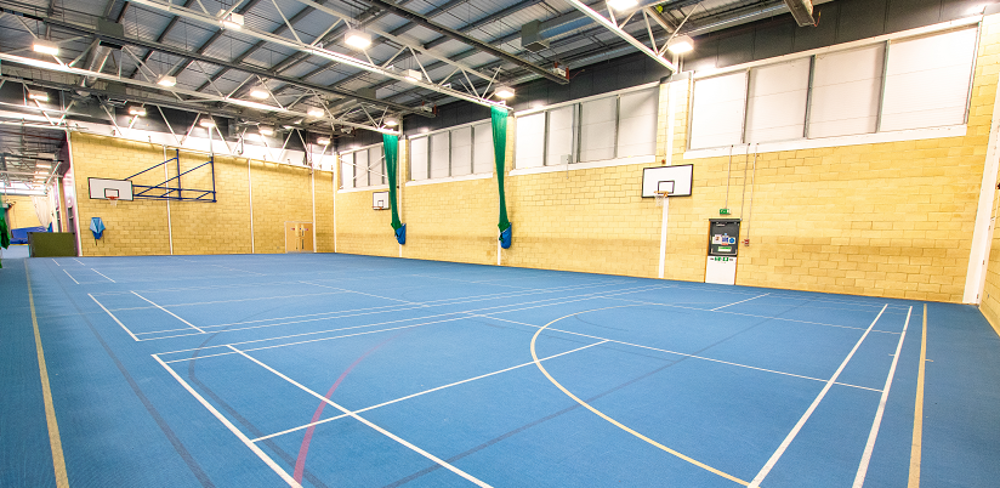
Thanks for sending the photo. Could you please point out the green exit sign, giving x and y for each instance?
(723, 211)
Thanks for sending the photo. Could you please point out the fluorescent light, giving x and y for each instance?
(137, 110)
(167, 81)
(233, 21)
(43, 165)
(413, 74)
(504, 92)
(45, 47)
(38, 95)
(357, 39)
(620, 5)
(323, 140)
(266, 130)
(391, 121)
(681, 44)
(315, 112)
(207, 122)
(260, 93)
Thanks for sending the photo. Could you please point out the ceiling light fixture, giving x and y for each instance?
(259, 92)
(358, 39)
(266, 130)
(137, 110)
(38, 95)
(323, 140)
(317, 112)
(233, 21)
(504, 92)
(620, 5)
(681, 44)
(167, 81)
(207, 123)
(45, 47)
(391, 121)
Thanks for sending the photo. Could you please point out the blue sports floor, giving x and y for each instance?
(329, 370)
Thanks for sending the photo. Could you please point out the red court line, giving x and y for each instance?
(300, 462)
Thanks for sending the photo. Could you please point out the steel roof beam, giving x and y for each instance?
(244, 67)
(476, 43)
(618, 31)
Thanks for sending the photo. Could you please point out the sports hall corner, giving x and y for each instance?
(504, 244)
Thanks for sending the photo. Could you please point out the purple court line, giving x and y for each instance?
(300, 462)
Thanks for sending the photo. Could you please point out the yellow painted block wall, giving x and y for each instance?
(21, 213)
(889, 219)
(360, 229)
(140, 227)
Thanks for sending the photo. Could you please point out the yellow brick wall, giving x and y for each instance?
(280, 193)
(360, 229)
(22, 212)
(889, 219)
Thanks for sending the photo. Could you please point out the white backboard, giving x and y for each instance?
(101, 189)
(663, 177)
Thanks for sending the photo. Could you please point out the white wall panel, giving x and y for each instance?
(597, 129)
(776, 110)
(440, 148)
(637, 124)
(482, 159)
(530, 141)
(560, 141)
(418, 159)
(927, 81)
(717, 111)
(846, 90)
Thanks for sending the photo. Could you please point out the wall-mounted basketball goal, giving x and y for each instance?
(171, 188)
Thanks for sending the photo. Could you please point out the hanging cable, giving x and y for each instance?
(753, 183)
(743, 197)
(729, 175)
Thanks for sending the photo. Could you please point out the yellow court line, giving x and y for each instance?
(918, 411)
(58, 463)
(614, 422)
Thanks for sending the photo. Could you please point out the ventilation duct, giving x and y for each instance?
(802, 11)
(531, 38)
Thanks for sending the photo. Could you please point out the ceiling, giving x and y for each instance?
(114, 52)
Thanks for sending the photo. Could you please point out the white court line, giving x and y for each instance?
(435, 459)
(102, 274)
(783, 319)
(359, 311)
(234, 300)
(81, 262)
(692, 356)
(71, 277)
(169, 312)
(57, 263)
(802, 421)
(358, 292)
(232, 428)
(859, 480)
(421, 393)
(113, 317)
(544, 303)
(739, 302)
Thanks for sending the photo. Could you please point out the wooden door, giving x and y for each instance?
(298, 237)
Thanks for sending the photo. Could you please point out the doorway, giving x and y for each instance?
(298, 237)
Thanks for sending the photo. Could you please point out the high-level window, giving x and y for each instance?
(596, 129)
(912, 83)
(363, 168)
(460, 151)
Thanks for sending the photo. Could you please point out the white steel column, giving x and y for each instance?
(979, 255)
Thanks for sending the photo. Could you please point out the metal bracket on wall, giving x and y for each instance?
(163, 190)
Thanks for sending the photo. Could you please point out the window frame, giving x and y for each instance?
(368, 167)
(472, 154)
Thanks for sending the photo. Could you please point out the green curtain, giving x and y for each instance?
(391, 144)
(4, 231)
(499, 117)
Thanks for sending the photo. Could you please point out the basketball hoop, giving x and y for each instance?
(660, 197)
(114, 201)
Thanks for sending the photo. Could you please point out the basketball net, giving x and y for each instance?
(114, 201)
(660, 197)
